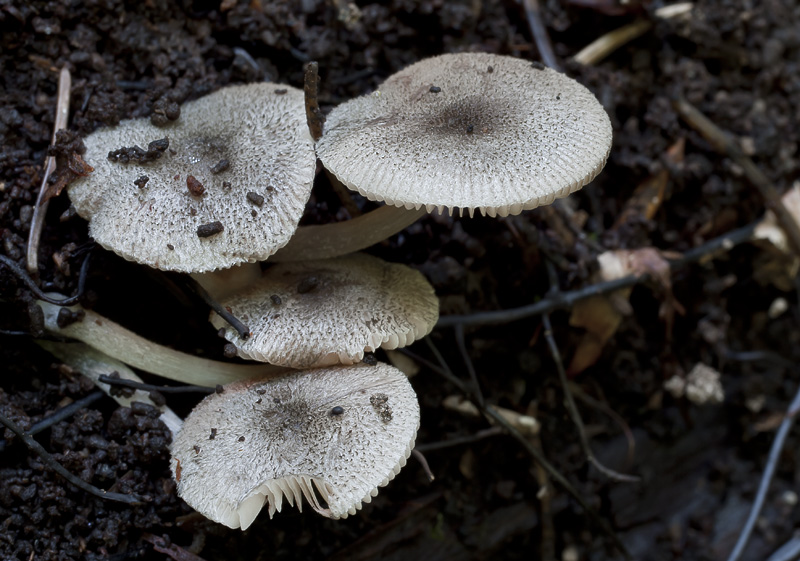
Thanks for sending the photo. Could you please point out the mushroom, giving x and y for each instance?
(469, 131)
(225, 184)
(333, 436)
(318, 313)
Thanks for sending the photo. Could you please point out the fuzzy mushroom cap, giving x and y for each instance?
(248, 208)
(332, 435)
(469, 131)
(318, 313)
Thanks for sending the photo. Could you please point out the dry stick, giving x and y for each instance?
(564, 300)
(573, 409)
(153, 387)
(724, 144)
(22, 275)
(606, 44)
(766, 478)
(459, 440)
(40, 208)
(548, 546)
(539, 32)
(50, 462)
(444, 370)
(211, 302)
(314, 116)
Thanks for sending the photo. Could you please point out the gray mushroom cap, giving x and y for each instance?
(469, 131)
(248, 208)
(334, 435)
(329, 311)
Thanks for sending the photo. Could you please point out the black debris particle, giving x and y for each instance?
(226, 185)
(435, 89)
(164, 111)
(67, 317)
(219, 167)
(141, 182)
(195, 187)
(170, 247)
(154, 151)
(369, 358)
(470, 128)
(307, 285)
(281, 91)
(241, 439)
(262, 391)
(255, 198)
(229, 350)
(253, 213)
(193, 212)
(336, 411)
(490, 69)
(210, 229)
(213, 434)
(380, 402)
(196, 449)
(219, 389)
(276, 300)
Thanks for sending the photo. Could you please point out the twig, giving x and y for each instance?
(424, 463)
(537, 455)
(233, 321)
(473, 376)
(458, 441)
(314, 115)
(40, 208)
(547, 549)
(50, 462)
(22, 275)
(153, 387)
(534, 14)
(563, 300)
(606, 44)
(766, 478)
(724, 144)
(63, 413)
(573, 409)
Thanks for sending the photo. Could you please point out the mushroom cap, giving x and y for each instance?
(318, 313)
(469, 131)
(335, 434)
(260, 129)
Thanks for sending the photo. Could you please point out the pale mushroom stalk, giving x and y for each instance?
(340, 238)
(114, 340)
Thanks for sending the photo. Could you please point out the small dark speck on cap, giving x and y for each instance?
(170, 247)
(210, 229)
(276, 300)
(490, 69)
(141, 182)
(226, 184)
(336, 411)
(221, 166)
(241, 439)
(219, 389)
(470, 128)
(255, 198)
(435, 89)
(213, 434)
(195, 187)
(196, 449)
(261, 391)
(253, 213)
(558, 96)
(281, 91)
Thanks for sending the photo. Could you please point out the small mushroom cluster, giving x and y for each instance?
(226, 184)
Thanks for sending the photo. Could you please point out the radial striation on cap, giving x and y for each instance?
(225, 184)
(333, 436)
(469, 131)
(317, 313)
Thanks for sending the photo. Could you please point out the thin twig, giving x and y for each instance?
(60, 415)
(424, 463)
(50, 462)
(724, 144)
(459, 440)
(22, 275)
(766, 478)
(534, 15)
(233, 321)
(314, 115)
(564, 300)
(575, 413)
(606, 44)
(152, 387)
(40, 208)
(537, 455)
(473, 376)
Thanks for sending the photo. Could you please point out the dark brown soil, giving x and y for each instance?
(738, 63)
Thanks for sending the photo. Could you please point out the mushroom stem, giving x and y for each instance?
(124, 345)
(340, 238)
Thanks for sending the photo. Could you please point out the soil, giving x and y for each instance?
(739, 63)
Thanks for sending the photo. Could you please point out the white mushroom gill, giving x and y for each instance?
(332, 436)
